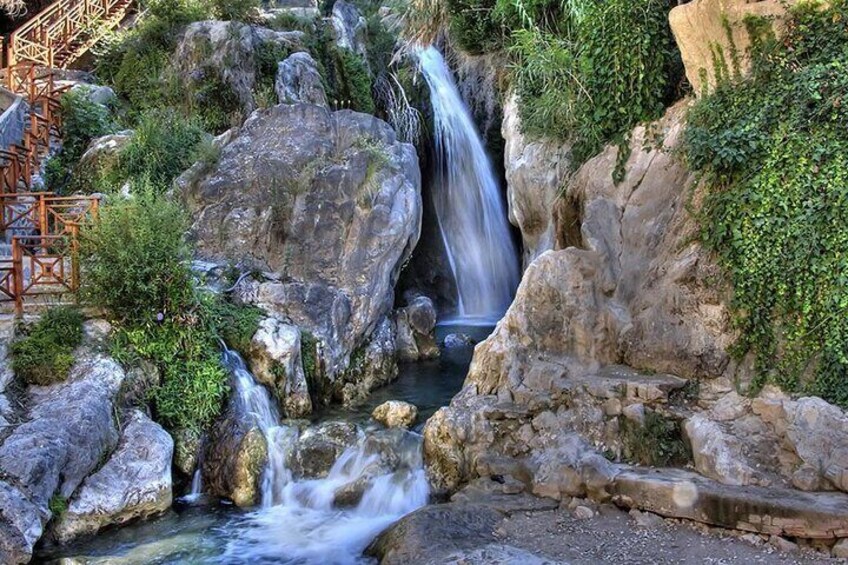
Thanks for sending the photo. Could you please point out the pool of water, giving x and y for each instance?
(211, 531)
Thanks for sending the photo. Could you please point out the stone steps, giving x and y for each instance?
(675, 493)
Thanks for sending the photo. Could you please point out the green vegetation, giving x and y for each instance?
(135, 264)
(773, 152)
(45, 354)
(57, 505)
(658, 441)
(82, 121)
(586, 71)
(237, 323)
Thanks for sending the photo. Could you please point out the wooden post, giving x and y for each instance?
(42, 221)
(75, 267)
(18, 276)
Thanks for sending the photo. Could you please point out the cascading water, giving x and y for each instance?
(471, 215)
(299, 521)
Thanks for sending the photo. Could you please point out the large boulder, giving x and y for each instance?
(318, 448)
(275, 360)
(226, 54)
(536, 171)
(416, 324)
(298, 80)
(235, 453)
(67, 432)
(329, 203)
(710, 31)
(599, 338)
(350, 27)
(135, 482)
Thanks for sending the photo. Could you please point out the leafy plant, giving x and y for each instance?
(57, 505)
(658, 441)
(773, 154)
(45, 354)
(236, 323)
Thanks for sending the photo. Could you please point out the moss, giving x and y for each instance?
(45, 354)
(58, 505)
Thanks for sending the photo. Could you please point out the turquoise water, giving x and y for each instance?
(213, 532)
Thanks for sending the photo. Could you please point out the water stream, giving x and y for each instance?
(466, 195)
(299, 521)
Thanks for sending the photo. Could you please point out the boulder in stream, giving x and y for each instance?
(275, 360)
(416, 323)
(135, 482)
(396, 414)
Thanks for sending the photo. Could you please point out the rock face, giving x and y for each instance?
(536, 172)
(350, 27)
(64, 437)
(134, 483)
(275, 361)
(772, 440)
(330, 203)
(395, 414)
(226, 53)
(416, 324)
(317, 448)
(298, 80)
(701, 29)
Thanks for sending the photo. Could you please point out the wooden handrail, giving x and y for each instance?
(63, 31)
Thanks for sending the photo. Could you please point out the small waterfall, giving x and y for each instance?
(300, 520)
(472, 218)
(196, 484)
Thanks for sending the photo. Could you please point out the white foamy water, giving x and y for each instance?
(300, 521)
(466, 195)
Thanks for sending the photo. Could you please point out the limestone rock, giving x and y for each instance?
(371, 367)
(318, 447)
(275, 360)
(416, 323)
(435, 532)
(234, 456)
(717, 454)
(134, 483)
(351, 28)
(699, 29)
(226, 52)
(536, 171)
(330, 203)
(395, 413)
(298, 80)
(187, 445)
(68, 430)
(840, 550)
(101, 155)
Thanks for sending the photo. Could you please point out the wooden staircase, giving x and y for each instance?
(39, 230)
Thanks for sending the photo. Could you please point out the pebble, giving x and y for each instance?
(583, 513)
(646, 519)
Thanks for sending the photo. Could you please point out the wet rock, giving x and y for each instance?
(187, 444)
(275, 360)
(298, 80)
(370, 367)
(318, 447)
(327, 202)
(68, 430)
(416, 323)
(235, 453)
(536, 170)
(396, 413)
(135, 482)
(455, 340)
(435, 532)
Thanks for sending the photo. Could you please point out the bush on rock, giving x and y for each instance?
(45, 354)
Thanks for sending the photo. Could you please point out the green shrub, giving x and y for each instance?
(45, 354)
(234, 10)
(82, 121)
(57, 505)
(135, 264)
(590, 70)
(658, 441)
(773, 153)
(473, 25)
(236, 323)
(135, 260)
(164, 145)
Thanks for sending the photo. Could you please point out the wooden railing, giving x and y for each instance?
(61, 33)
(44, 232)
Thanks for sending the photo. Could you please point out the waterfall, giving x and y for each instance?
(300, 519)
(472, 219)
